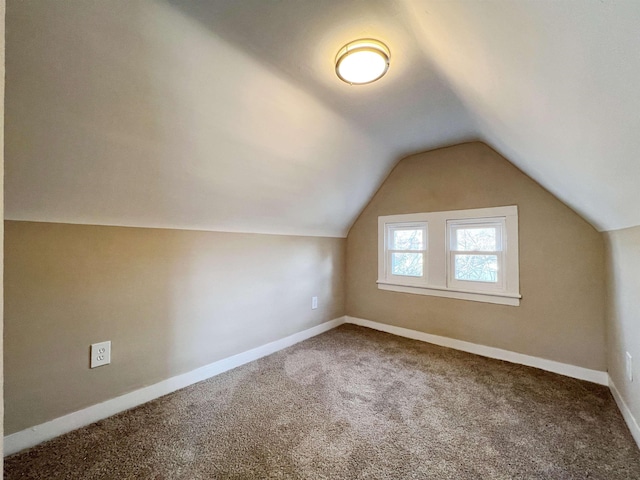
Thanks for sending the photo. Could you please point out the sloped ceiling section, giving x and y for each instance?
(140, 114)
(226, 115)
(410, 109)
(555, 86)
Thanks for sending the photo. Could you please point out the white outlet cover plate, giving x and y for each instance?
(314, 303)
(100, 354)
(629, 367)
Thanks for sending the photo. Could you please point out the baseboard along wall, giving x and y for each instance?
(32, 436)
(632, 423)
(594, 376)
(46, 431)
(573, 371)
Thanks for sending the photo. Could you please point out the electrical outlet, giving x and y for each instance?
(629, 366)
(314, 303)
(100, 354)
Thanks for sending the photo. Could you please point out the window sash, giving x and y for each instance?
(477, 285)
(475, 223)
(416, 252)
(390, 228)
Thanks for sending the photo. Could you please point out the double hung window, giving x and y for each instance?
(464, 254)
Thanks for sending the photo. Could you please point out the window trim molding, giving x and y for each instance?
(487, 297)
(437, 263)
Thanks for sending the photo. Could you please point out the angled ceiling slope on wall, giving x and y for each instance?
(554, 86)
(551, 85)
(227, 116)
(138, 114)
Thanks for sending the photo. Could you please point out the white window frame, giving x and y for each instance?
(437, 260)
(405, 279)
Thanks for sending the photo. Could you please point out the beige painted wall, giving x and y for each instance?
(623, 311)
(169, 300)
(561, 315)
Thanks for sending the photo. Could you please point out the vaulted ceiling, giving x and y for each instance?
(227, 115)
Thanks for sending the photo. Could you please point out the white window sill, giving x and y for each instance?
(500, 298)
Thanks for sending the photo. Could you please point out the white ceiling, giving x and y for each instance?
(554, 86)
(227, 115)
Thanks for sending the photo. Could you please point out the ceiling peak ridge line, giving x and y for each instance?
(488, 144)
(400, 158)
(461, 141)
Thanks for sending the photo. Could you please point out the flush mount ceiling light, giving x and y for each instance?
(362, 61)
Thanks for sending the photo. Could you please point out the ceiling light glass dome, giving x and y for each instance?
(362, 61)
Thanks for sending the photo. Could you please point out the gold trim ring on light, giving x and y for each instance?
(363, 45)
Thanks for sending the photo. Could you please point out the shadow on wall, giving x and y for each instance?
(245, 289)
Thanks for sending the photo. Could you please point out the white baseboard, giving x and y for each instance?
(626, 413)
(581, 373)
(32, 436)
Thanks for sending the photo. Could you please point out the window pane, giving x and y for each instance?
(408, 239)
(477, 268)
(409, 264)
(476, 239)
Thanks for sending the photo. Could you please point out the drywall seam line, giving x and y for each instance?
(574, 371)
(32, 436)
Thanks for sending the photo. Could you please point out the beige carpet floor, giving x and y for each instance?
(355, 403)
